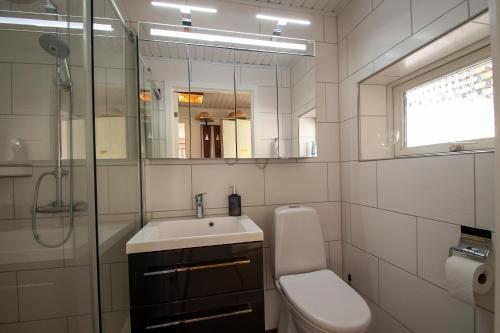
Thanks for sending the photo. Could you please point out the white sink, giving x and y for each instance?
(186, 233)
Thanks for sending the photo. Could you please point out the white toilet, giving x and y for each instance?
(314, 298)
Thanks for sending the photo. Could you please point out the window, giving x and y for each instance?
(449, 108)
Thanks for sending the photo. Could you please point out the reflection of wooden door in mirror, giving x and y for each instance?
(206, 140)
(217, 141)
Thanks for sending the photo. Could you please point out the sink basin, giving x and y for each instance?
(186, 233)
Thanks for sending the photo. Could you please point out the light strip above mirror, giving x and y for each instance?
(184, 8)
(51, 23)
(227, 39)
(282, 20)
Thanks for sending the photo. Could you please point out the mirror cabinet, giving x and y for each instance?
(204, 101)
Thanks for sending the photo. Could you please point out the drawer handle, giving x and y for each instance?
(198, 267)
(194, 320)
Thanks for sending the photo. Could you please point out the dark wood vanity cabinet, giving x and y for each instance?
(204, 289)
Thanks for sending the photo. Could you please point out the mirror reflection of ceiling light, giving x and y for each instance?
(193, 98)
(228, 39)
(184, 8)
(282, 20)
(145, 95)
(51, 23)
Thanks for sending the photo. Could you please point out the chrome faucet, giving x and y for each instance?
(198, 199)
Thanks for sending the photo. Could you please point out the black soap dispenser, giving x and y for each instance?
(234, 203)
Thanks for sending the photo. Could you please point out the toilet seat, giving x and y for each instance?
(326, 301)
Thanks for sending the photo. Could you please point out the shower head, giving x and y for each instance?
(54, 46)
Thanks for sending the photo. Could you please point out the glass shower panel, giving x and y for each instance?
(118, 166)
(45, 236)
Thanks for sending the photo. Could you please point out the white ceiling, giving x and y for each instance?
(328, 6)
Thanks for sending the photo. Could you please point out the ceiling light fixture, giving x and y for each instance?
(228, 39)
(282, 20)
(51, 23)
(184, 8)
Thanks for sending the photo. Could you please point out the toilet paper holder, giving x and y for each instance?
(473, 242)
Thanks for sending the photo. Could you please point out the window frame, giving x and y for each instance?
(448, 65)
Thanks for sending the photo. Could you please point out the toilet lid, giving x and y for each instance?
(327, 301)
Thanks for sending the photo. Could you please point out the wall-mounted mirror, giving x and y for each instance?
(210, 101)
(437, 99)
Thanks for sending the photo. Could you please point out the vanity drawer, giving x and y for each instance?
(164, 276)
(238, 312)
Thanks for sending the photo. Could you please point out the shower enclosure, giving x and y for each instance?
(70, 184)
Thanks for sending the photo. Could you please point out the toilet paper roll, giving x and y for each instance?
(465, 276)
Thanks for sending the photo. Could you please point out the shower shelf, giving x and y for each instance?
(25, 170)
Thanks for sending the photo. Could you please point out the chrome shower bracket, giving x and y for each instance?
(473, 242)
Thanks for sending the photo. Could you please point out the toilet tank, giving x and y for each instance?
(297, 242)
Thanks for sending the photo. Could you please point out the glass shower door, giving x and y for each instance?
(46, 239)
(118, 165)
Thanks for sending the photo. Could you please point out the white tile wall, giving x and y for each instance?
(5, 89)
(390, 236)
(477, 6)
(346, 222)
(332, 102)
(382, 322)
(373, 139)
(419, 38)
(436, 194)
(359, 183)
(446, 193)
(123, 189)
(119, 286)
(426, 11)
(32, 89)
(327, 135)
(363, 269)
(6, 198)
(168, 187)
(8, 297)
(334, 182)
(421, 306)
(296, 182)
(335, 257)
(329, 215)
(54, 293)
(43, 326)
(352, 14)
(434, 241)
(348, 92)
(386, 26)
(484, 321)
(485, 191)
(326, 62)
(373, 100)
(215, 180)
(342, 57)
(349, 139)
(330, 29)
